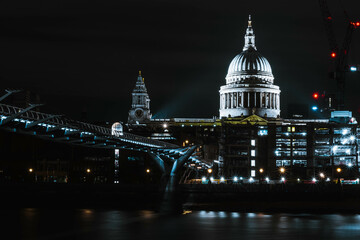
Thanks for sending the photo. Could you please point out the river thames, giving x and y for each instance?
(58, 223)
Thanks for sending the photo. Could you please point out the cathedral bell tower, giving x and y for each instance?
(140, 105)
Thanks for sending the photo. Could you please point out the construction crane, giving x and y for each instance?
(339, 56)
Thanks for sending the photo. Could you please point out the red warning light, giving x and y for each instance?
(356, 24)
(315, 95)
(333, 55)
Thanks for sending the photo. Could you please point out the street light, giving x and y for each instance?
(209, 170)
(261, 170)
(31, 170)
(338, 171)
(322, 175)
(148, 170)
(88, 170)
(282, 170)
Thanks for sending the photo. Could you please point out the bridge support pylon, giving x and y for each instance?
(169, 180)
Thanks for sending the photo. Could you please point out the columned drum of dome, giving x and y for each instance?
(249, 85)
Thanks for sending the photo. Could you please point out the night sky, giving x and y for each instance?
(80, 56)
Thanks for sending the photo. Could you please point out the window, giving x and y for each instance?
(253, 163)
(252, 142)
(252, 173)
(253, 153)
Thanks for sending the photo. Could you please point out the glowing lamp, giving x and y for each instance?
(353, 69)
(333, 55)
(314, 108)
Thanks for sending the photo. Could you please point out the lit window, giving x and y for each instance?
(293, 129)
(252, 142)
(252, 173)
(253, 153)
(253, 163)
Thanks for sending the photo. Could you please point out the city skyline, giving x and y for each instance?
(87, 58)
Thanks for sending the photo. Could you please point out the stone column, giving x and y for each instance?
(222, 101)
(274, 106)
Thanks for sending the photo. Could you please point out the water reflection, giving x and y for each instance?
(114, 224)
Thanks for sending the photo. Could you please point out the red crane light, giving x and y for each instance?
(357, 24)
(315, 96)
(333, 55)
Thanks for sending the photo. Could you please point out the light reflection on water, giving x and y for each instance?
(32, 223)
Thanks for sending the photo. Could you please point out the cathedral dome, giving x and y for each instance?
(249, 85)
(249, 66)
(250, 63)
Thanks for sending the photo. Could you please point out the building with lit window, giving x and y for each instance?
(249, 140)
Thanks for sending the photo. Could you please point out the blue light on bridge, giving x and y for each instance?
(314, 108)
(353, 69)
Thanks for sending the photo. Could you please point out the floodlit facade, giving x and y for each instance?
(249, 85)
(140, 107)
(250, 142)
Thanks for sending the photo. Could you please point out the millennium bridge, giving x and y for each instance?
(61, 129)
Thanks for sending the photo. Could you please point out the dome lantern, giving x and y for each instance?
(249, 37)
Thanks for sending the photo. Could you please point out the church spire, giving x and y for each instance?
(249, 36)
(140, 104)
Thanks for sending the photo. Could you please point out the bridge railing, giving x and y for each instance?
(65, 123)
